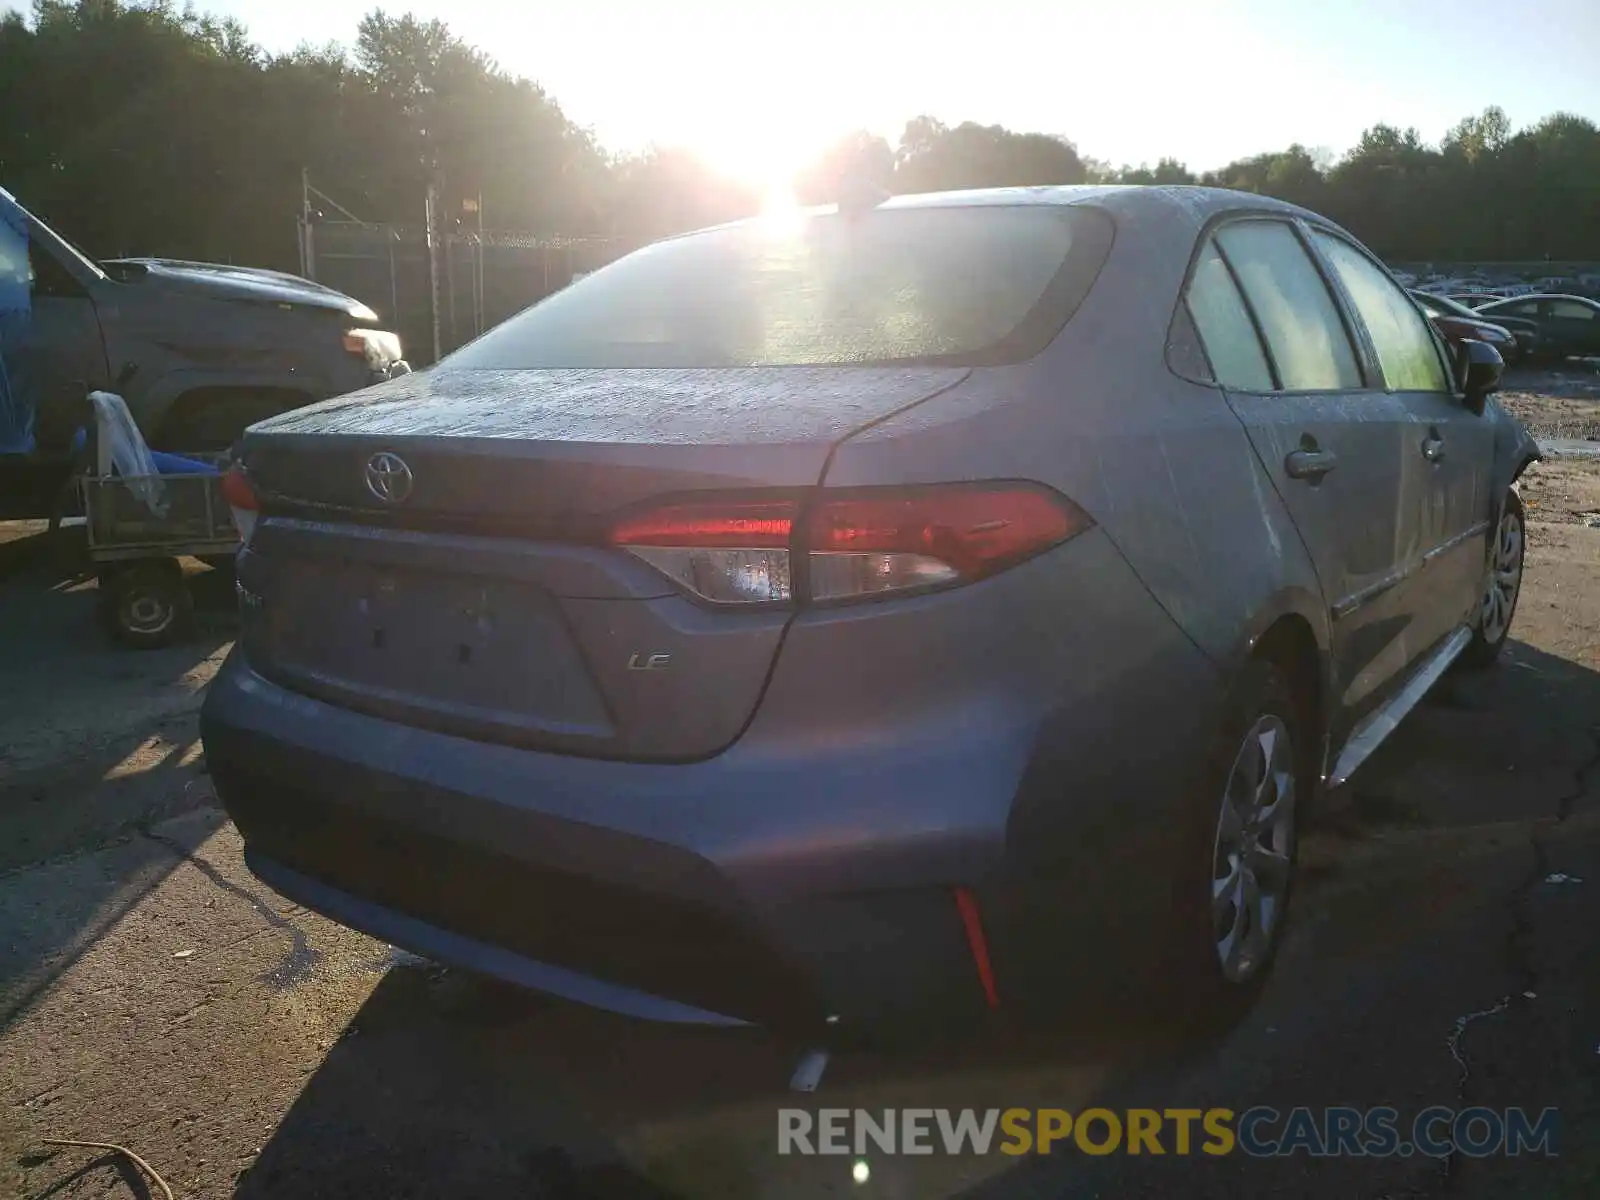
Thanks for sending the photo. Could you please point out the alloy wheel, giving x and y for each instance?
(1505, 578)
(1253, 853)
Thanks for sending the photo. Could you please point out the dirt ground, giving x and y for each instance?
(1558, 403)
(153, 994)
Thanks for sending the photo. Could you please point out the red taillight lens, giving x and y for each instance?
(890, 541)
(858, 544)
(242, 500)
(236, 490)
(740, 525)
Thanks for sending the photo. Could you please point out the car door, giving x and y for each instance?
(1525, 310)
(64, 354)
(1445, 468)
(1576, 325)
(1332, 445)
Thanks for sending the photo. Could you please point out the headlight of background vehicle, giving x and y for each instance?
(377, 346)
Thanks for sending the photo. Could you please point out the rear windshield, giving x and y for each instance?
(956, 286)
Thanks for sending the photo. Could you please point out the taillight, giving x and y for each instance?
(857, 544)
(873, 542)
(735, 552)
(236, 489)
(242, 499)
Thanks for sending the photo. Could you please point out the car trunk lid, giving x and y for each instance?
(544, 451)
(430, 550)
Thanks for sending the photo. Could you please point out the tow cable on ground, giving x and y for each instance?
(122, 1150)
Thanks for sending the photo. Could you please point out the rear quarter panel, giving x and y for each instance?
(1161, 464)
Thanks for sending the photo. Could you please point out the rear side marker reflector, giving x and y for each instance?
(857, 544)
(977, 943)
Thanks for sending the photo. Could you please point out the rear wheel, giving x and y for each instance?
(146, 604)
(1501, 587)
(1241, 852)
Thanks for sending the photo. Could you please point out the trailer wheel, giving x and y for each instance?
(146, 604)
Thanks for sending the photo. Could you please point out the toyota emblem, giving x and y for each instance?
(388, 477)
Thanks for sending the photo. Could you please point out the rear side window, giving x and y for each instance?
(1219, 314)
(1304, 333)
(958, 286)
(1406, 350)
(1571, 310)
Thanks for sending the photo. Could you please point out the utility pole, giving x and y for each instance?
(483, 266)
(308, 263)
(432, 223)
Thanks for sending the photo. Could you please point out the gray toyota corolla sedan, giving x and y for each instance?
(944, 605)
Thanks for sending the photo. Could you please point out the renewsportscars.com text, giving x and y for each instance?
(1260, 1132)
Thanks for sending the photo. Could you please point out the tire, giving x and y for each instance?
(213, 423)
(146, 604)
(1502, 587)
(1221, 945)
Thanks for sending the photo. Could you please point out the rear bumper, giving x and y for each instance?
(396, 928)
(694, 902)
(807, 871)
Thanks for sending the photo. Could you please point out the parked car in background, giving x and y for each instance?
(1458, 323)
(955, 622)
(198, 350)
(1473, 299)
(1568, 325)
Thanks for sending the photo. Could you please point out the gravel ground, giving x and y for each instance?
(153, 994)
(1556, 403)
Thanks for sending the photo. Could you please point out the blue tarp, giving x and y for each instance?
(16, 402)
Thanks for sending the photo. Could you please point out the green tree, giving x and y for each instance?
(933, 157)
(859, 157)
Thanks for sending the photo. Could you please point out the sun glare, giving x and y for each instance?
(779, 200)
(780, 209)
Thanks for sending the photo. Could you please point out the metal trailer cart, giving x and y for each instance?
(144, 598)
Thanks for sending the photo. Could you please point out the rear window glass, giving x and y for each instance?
(959, 286)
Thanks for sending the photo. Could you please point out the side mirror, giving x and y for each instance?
(1478, 370)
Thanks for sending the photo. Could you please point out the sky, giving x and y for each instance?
(759, 86)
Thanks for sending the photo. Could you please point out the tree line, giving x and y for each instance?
(143, 128)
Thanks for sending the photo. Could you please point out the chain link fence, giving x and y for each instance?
(483, 278)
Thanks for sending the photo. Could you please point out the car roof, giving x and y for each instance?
(1548, 296)
(1196, 201)
(1196, 204)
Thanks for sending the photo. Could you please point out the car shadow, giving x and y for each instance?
(448, 1085)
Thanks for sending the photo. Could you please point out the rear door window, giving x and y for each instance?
(1571, 310)
(1224, 325)
(1305, 334)
(1406, 350)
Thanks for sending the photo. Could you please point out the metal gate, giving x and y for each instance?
(483, 276)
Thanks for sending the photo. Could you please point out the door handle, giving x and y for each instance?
(1433, 448)
(1310, 464)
